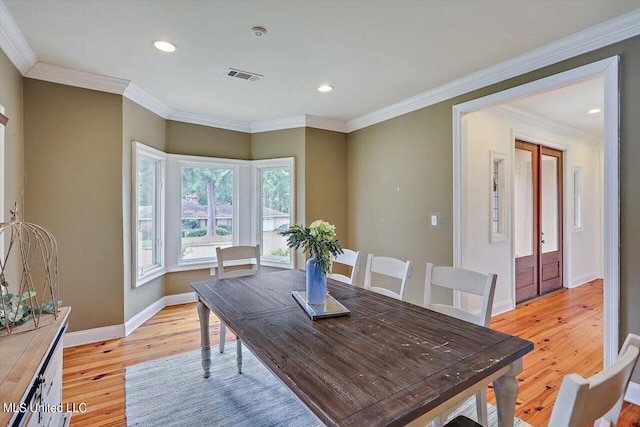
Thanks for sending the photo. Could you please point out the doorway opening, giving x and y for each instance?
(606, 69)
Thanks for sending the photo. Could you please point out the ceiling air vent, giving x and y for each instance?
(244, 75)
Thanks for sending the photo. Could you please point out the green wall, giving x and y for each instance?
(73, 188)
(197, 140)
(138, 124)
(325, 179)
(400, 172)
(409, 158)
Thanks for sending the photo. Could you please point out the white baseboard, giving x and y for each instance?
(633, 393)
(88, 336)
(178, 299)
(146, 314)
(585, 278)
(501, 307)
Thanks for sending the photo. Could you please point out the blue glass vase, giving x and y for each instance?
(316, 284)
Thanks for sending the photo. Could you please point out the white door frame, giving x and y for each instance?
(2, 178)
(608, 69)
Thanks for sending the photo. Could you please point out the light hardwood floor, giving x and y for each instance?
(565, 327)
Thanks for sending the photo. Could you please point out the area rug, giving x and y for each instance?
(171, 392)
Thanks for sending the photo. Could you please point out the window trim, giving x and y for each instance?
(501, 193)
(245, 208)
(140, 151)
(257, 167)
(578, 218)
(242, 207)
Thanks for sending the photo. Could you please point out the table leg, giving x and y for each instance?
(506, 392)
(239, 354)
(205, 339)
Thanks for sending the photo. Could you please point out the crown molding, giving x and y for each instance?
(278, 124)
(13, 43)
(67, 76)
(519, 115)
(299, 122)
(596, 37)
(23, 58)
(326, 124)
(140, 97)
(204, 120)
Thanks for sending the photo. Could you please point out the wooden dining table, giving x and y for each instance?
(388, 363)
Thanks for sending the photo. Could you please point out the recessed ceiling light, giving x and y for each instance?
(164, 46)
(594, 110)
(325, 88)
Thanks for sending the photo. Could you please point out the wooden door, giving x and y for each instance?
(538, 218)
(526, 219)
(550, 220)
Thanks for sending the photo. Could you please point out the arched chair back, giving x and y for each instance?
(351, 259)
(251, 254)
(387, 266)
(239, 255)
(470, 282)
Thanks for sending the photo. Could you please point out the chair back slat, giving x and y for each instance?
(250, 254)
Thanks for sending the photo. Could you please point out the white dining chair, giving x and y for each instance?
(596, 400)
(239, 254)
(386, 266)
(470, 282)
(349, 258)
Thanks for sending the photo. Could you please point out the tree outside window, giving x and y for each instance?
(207, 211)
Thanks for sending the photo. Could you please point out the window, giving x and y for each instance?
(148, 194)
(208, 210)
(577, 198)
(498, 196)
(214, 202)
(275, 201)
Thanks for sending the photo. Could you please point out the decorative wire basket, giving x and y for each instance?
(31, 258)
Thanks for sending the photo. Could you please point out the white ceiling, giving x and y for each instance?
(375, 53)
(570, 105)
